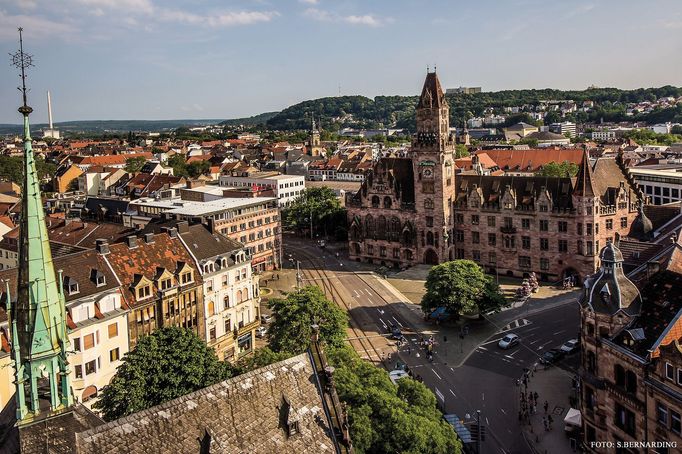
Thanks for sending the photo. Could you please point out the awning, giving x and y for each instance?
(573, 417)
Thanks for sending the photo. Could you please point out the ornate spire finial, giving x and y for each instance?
(22, 61)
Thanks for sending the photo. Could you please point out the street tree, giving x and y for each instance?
(384, 417)
(461, 151)
(294, 315)
(458, 285)
(318, 203)
(198, 168)
(558, 169)
(134, 165)
(261, 357)
(166, 364)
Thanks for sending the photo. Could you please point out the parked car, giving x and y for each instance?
(509, 341)
(261, 331)
(570, 346)
(265, 318)
(551, 356)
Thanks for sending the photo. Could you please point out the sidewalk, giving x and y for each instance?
(554, 386)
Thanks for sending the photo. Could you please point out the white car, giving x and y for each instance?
(261, 331)
(570, 346)
(509, 341)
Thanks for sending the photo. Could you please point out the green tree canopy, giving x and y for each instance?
(179, 165)
(260, 358)
(134, 165)
(198, 168)
(558, 169)
(460, 286)
(166, 364)
(388, 418)
(291, 330)
(12, 168)
(319, 202)
(461, 151)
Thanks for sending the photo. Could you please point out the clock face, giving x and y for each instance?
(428, 173)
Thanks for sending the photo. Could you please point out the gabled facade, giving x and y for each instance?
(160, 282)
(230, 289)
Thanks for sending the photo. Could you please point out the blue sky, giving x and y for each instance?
(170, 59)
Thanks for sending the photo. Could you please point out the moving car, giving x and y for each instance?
(509, 341)
(570, 346)
(261, 331)
(551, 356)
(396, 333)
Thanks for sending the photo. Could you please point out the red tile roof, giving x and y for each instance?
(532, 160)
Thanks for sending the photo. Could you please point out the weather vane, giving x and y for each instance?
(22, 61)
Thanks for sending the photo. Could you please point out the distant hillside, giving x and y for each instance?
(111, 126)
(398, 111)
(256, 120)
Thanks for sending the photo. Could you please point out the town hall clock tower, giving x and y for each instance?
(432, 154)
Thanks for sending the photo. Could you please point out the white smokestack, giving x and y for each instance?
(49, 109)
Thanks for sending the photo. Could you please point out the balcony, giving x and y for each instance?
(510, 229)
(621, 395)
(249, 327)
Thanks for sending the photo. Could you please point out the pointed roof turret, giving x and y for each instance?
(641, 228)
(584, 186)
(432, 94)
(39, 342)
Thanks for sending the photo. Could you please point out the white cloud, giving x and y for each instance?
(34, 26)
(310, 2)
(367, 19)
(218, 20)
(141, 6)
(326, 16)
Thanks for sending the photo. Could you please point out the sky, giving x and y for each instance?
(182, 59)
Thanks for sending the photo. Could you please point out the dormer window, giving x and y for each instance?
(186, 278)
(144, 292)
(98, 277)
(223, 262)
(71, 286)
(166, 284)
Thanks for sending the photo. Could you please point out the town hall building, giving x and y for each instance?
(418, 209)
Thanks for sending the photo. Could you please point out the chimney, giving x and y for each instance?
(183, 227)
(211, 225)
(171, 231)
(148, 238)
(49, 109)
(102, 246)
(131, 241)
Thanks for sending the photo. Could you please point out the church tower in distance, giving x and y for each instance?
(432, 154)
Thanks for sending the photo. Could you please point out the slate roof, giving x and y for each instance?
(84, 234)
(55, 435)
(109, 208)
(244, 414)
(432, 95)
(662, 304)
(527, 189)
(397, 173)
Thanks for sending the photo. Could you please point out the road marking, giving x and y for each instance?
(452, 369)
(482, 348)
(382, 322)
(357, 295)
(559, 332)
(486, 421)
(453, 393)
(380, 311)
(503, 412)
(396, 320)
(436, 374)
(534, 342)
(518, 323)
(514, 353)
(370, 301)
(440, 395)
(482, 396)
(507, 356)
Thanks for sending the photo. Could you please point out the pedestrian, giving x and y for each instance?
(536, 395)
(544, 422)
(409, 350)
(535, 408)
(550, 420)
(546, 406)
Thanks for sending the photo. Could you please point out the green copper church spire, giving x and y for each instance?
(39, 340)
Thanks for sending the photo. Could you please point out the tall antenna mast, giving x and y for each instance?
(22, 61)
(49, 109)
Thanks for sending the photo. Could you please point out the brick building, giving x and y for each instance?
(631, 369)
(417, 210)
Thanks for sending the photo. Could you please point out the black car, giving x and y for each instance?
(551, 356)
(396, 333)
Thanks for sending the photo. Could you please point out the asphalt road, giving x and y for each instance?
(487, 379)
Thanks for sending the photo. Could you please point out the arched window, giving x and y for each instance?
(429, 238)
(630, 381)
(387, 202)
(428, 204)
(239, 296)
(619, 375)
(211, 308)
(369, 226)
(226, 302)
(381, 227)
(375, 201)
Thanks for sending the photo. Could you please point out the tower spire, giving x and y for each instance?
(39, 341)
(583, 185)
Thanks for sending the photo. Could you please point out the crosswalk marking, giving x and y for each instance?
(518, 323)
